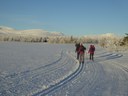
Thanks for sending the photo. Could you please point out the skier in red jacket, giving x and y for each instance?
(91, 52)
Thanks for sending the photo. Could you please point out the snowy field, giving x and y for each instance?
(37, 69)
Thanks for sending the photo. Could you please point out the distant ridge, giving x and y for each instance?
(30, 32)
(4, 30)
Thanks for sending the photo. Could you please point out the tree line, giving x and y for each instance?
(112, 42)
(48, 39)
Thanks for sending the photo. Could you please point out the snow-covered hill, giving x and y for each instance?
(31, 32)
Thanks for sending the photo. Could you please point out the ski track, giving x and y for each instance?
(96, 84)
(38, 79)
(107, 75)
(36, 69)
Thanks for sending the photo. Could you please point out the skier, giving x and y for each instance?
(81, 53)
(77, 45)
(91, 52)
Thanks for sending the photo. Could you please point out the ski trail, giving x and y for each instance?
(36, 69)
(43, 78)
(62, 82)
(98, 78)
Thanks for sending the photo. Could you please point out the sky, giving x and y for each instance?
(71, 17)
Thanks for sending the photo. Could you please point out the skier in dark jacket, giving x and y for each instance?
(81, 53)
(91, 52)
(77, 45)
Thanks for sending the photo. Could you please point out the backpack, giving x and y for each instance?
(93, 48)
(82, 48)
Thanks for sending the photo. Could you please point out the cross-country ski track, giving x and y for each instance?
(61, 74)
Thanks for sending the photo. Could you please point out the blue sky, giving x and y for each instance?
(71, 17)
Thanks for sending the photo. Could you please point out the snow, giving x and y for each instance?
(29, 32)
(39, 69)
